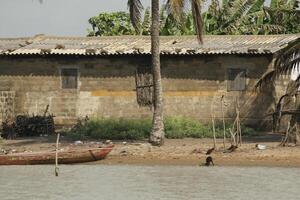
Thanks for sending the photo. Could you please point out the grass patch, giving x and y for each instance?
(137, 129)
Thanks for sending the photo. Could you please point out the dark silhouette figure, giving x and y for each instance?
(232, 148)
(209, 151)
(209, 161)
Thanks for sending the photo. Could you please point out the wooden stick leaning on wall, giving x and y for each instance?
(56, 155)
(214, 129)
(224, 126)
(240, 128)
(236, 130)
(285, 139)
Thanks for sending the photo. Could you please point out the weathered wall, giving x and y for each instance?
(192, 86)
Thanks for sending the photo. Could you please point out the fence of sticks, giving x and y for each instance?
(235, 130)
(28, 125)
(288, 109)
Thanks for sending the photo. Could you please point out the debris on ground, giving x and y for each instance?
(78, 142)
(261, 146)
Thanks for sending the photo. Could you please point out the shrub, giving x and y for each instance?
(137, 129)
(115, 129)
(180, 127)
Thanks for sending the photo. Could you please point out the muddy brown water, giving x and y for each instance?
(89, 182)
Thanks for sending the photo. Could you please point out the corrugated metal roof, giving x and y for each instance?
(118, 45)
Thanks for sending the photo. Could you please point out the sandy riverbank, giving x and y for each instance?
(175, 151)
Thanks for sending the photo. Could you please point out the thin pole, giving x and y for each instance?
(214, 130)
(56, 155)
(239, 123)
(224, 127)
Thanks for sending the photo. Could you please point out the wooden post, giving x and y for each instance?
(285, 139)
(233, 142)
(214, 130)
(224, 127)
(239, 129)
(56, 155)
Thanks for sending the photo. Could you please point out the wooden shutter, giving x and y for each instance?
(69, 78)
(144, 86)
(236, 79)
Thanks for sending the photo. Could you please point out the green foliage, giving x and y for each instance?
(118, 23)
(229, 17)
(136, 129)
(180, 127)
(251, 17)
(146, 25)
(109, 24)
(115, 129)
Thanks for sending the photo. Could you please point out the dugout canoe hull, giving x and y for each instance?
(64, 157)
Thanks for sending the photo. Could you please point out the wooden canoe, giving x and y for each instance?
(64, 157)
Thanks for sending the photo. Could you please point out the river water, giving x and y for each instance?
(105, 182)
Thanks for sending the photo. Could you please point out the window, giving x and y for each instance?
(236, 79)
(144, 86)
(69, 78)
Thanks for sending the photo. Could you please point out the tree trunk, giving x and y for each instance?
(157, 133)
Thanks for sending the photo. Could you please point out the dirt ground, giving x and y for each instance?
(174, 151)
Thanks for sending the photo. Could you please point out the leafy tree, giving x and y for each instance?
(252, 17)
(222, 17)
(108, 24)
(118, 23)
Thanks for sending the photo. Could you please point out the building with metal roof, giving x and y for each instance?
(110, 77)
(124, 45)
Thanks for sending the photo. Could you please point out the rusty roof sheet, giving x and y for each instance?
(122, 45)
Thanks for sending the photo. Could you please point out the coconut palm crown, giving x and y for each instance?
(176, 8)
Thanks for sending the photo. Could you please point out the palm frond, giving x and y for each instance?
(256, 6)
(274, 3)
(135, 10)
(286, 60)
(146, 25)
(196, 12)
(263, 29)
(176, 8)
(283, 10)
(224, 2)
(266, 79)
(239, 9)
(242, 7)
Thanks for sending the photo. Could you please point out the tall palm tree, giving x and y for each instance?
(176, 8)
(286, 60)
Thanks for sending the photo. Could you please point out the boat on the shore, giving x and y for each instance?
(64, 156)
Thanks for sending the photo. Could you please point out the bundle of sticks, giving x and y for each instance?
(26, 125)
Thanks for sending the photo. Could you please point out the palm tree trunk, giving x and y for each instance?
(157, 133)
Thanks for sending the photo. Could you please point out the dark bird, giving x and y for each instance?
(232, 148)
(209, 161)
(209, 151)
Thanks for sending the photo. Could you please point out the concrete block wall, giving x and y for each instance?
(6, 105)
(192, 85)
